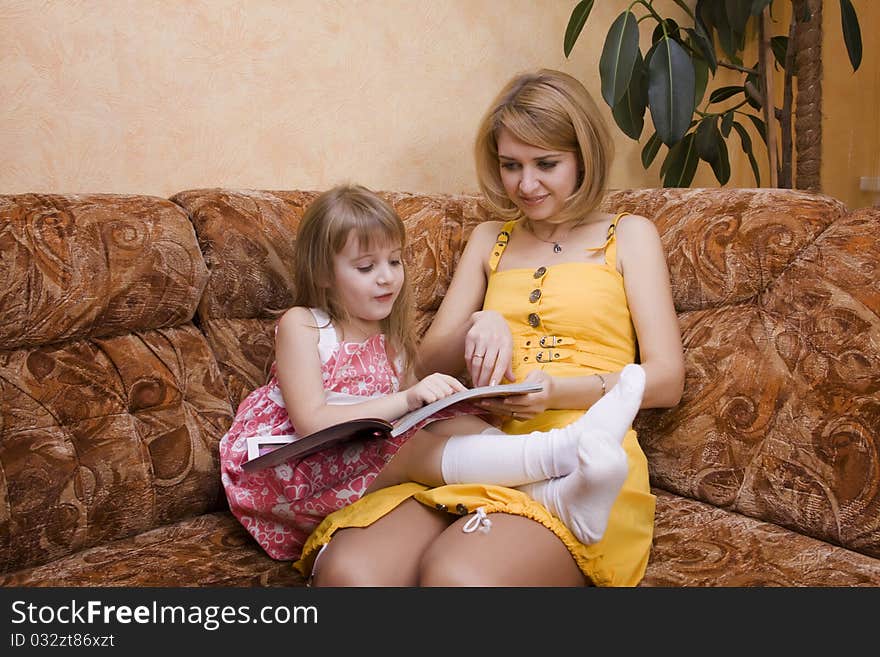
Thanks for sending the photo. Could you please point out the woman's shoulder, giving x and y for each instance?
(635, 226)
(488, 229)
(483, 235)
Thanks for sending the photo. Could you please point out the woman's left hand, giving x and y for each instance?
(523, 407)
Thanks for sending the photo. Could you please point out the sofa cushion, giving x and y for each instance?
(780, 316)
(210, 550)
(697, 544)
(94, 265)
(111, 403)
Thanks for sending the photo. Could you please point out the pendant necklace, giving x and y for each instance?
(557, 244)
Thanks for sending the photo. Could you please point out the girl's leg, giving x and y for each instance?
(516, 552)
(387, 553)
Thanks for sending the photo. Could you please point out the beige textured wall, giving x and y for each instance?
(157, 96)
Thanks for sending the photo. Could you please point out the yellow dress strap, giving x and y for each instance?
(500, 244)
(610, 244)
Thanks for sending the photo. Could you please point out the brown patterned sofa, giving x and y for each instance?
(132, 326)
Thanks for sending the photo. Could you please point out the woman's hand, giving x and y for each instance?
(488, 349)
(431, 388)
(523, 407)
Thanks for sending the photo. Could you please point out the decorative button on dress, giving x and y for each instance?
(578, 323)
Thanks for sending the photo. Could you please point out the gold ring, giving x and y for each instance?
(478, 355)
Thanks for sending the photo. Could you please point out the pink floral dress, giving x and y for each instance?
(281, 505)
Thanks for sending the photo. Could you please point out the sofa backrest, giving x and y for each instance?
(779, 306)
(111, 404)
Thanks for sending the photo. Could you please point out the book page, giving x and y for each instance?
(406, 422)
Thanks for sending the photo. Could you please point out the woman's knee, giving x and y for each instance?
(444, 570)
(344, 568)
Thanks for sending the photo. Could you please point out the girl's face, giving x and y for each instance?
(368, 281)
(537, 180)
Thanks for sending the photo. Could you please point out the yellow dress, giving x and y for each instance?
(568, 319)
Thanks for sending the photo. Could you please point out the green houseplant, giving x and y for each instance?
(670, 79)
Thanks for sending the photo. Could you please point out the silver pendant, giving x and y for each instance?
(557, 248)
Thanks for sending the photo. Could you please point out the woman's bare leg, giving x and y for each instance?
(387, 553)
(516, 551)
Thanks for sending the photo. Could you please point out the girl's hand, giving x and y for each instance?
(431, 388)
(523, 407)
(488, 349)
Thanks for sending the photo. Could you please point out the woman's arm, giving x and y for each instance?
(460, 328)
(649, 295)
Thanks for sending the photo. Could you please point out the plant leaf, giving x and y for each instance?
(576, 22)
(682, 165)
(700, 41)
(760, 126)
(721, 165)
(852, 33)
(629, 112)
(727, 35)
(671, 30)
(726, 123)
(779, 46)
(738, 14)
(723, 93)
(707, 138)
(619, 57)
(747, 148)
(687, 9)
(649, 152)
(701, 78)
(671, 83)
(758, 6)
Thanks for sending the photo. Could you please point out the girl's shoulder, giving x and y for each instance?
(298, 318)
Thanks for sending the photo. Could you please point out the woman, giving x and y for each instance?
(561, 294)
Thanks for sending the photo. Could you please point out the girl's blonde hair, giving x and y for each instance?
(324, 231)
(551, 110)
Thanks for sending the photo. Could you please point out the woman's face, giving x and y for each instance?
(537, 180)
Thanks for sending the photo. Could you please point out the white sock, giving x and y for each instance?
(614, 412)
(514, 460)
(583, 499)
(509, 460)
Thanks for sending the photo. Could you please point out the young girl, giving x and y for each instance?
(344, 351)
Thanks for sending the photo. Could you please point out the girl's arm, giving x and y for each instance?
(460, 328)
(298, 368)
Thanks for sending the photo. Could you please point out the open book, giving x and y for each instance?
(266, 451)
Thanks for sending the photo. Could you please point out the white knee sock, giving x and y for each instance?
(583, 499)
(509, 460)
(514, 460)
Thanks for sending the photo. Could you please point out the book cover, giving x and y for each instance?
(268, 451)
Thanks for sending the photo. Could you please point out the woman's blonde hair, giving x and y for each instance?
(552, 110)
(323, 232)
